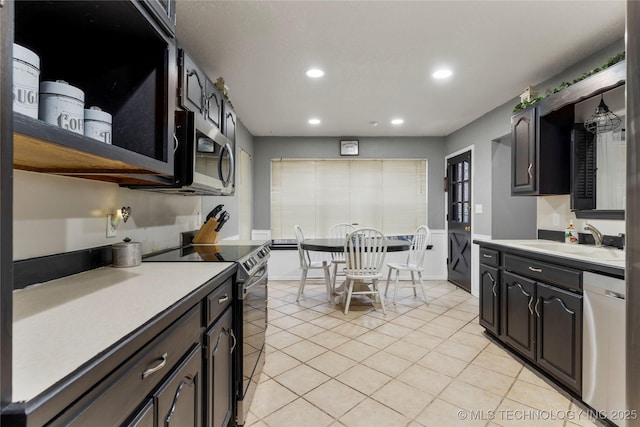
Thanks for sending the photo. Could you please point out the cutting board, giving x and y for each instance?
(207, 233)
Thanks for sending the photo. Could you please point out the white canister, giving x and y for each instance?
(26, 79)
(62, 105)
(97, 124)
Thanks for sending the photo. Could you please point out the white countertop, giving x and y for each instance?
(566, 251)
(61, 324)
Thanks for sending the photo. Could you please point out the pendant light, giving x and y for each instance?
(602, 120)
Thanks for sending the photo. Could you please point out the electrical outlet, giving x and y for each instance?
(111, 230)
(556, 219)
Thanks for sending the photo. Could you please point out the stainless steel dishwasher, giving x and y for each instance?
(603, 339)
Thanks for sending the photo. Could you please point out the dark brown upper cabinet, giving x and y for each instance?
(197, 92)
(230, 121)
(119, 55)
(540, 150)
(544, 153)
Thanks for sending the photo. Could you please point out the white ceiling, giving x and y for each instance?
(378, 57)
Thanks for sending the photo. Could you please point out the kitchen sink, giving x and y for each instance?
(588, 251)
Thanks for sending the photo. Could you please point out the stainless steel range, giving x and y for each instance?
(250, 310)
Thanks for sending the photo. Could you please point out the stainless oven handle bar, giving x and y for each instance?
(254, 282)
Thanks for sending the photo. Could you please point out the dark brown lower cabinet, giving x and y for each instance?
(179, 398)
(144, 417)
(490, 298)
(559, 334)
(518, 321)
(544, 323)
(535, 308)
(220, 343)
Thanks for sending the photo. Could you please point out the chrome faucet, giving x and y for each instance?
(597, 235)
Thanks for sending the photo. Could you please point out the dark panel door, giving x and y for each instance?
(489, 298)
(459, 220)
(559, 334)
(220, 344)
(518, 320)
(178, 399)
(523, 152)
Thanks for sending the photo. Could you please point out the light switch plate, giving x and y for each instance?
(111, 230)
(479, 208)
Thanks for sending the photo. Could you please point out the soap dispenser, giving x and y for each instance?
(571, 234)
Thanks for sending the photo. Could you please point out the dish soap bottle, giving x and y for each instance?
(571, 234)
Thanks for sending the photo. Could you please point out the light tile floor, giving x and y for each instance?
(418, 365)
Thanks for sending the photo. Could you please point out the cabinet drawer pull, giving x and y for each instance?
(225, 298)
(530, 308)
(487, 256)
(537, 270)
(537, 304)
(163, 362)
(529, 170)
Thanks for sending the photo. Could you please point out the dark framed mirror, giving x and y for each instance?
(598, 163)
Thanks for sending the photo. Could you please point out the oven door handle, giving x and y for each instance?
(258, 280)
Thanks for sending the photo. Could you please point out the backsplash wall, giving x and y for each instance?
(547, 206)
(54, 214)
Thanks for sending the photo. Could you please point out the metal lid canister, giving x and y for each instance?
(62, 105)
(97, 124)
(26, 78)
(126, 253)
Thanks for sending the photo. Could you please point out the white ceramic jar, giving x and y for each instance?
(97, 124)
(26, 79)
(62, 105)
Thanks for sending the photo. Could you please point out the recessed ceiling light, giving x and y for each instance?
(315, 72)
(442, 73)
(314, 121)
(397, 121)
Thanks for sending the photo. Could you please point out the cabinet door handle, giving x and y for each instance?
(487, 256)
(235, 341)
(537, 304)
(529, 170)
(537, 270)
(163, 362)
(493, 289)
(225, 298)
(531, 308)
(177, 143)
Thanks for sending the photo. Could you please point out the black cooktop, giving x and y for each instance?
(210, 253)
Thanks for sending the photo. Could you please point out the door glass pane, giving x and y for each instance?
(459, 193)
(459, 217)
(465, 212)
(466, 191)
(459, 175)
(466, 169)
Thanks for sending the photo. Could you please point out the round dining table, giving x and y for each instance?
(337, 245)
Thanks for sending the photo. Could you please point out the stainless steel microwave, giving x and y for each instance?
(204, 161)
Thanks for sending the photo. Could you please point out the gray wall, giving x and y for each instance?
(267, 148)
(516, 216)
(496, 124)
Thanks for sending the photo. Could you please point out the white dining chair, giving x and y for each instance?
(414, 264)
(365, 250)
(307, 264)
(338, 231)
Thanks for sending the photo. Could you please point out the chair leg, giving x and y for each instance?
(327, 279)
(424, 291)
(348, 289)
(303, 279)
(333, 277)
(376, 287)
(386, 287)
(413, 282)
(395, 293)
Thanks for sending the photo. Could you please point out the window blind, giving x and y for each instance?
(390, 195)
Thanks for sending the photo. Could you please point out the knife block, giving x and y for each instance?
(207, 233)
